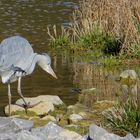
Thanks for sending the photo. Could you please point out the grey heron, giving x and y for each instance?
(17, 59)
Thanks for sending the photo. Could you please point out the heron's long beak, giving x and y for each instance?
(50, 71)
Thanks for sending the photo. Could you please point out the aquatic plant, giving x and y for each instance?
(124, 119)
(110, 61)
(123, 27)
(99, 25)
(91, 40)
(125, 115)
(59, 37)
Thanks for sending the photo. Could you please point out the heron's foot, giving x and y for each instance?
(28, 105)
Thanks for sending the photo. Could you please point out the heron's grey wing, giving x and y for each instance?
(13, 50)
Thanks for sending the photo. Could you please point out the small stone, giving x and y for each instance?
(33, 117)
(129, 74)
(83, 114)
(70, 106)
(70, 135)
(75, 118)
(49, 117)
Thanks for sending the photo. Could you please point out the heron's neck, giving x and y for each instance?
(36, 59)
(39, 60)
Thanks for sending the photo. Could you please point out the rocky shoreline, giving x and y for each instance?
(51, 119)
(20, 129)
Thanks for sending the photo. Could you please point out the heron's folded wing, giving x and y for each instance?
(12, 50)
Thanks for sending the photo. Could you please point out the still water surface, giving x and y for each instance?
(30, 18)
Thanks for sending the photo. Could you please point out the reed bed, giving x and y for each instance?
(117, 18)
(110, 24)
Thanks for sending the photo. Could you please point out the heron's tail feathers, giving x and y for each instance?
(6, 76)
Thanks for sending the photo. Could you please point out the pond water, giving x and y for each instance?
(30, 18)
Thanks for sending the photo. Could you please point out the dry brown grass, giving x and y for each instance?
(118, 18)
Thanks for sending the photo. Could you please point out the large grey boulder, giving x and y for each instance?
(26, 135)
(19, 129)
(98, 133)
(10, 125)
(51, 131)
(8, 136)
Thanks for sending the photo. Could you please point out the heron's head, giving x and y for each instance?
(45, 63)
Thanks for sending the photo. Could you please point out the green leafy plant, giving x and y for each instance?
(110, 61)
(59, 37)
(92, 40)
(112, 45)
(125, 115)
(124, 118)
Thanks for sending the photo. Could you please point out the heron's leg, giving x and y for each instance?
(19, 91)
(9, 96)
(26, 105)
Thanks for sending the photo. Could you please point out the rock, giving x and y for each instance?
(50, 118)
(75, 118)
(98, 133)
(59, 117)
(86, 137)
(129, 137)
(72, 109)
(19, 129)
(54, 132)
(55, 100)
(26, 135)
(42, 108)
(129, 74)
(44, 104)
(8, 136)
(14, 108)
(10, 125)
(129, 84)
(51, 130)
(83, 114)
(69, 135)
